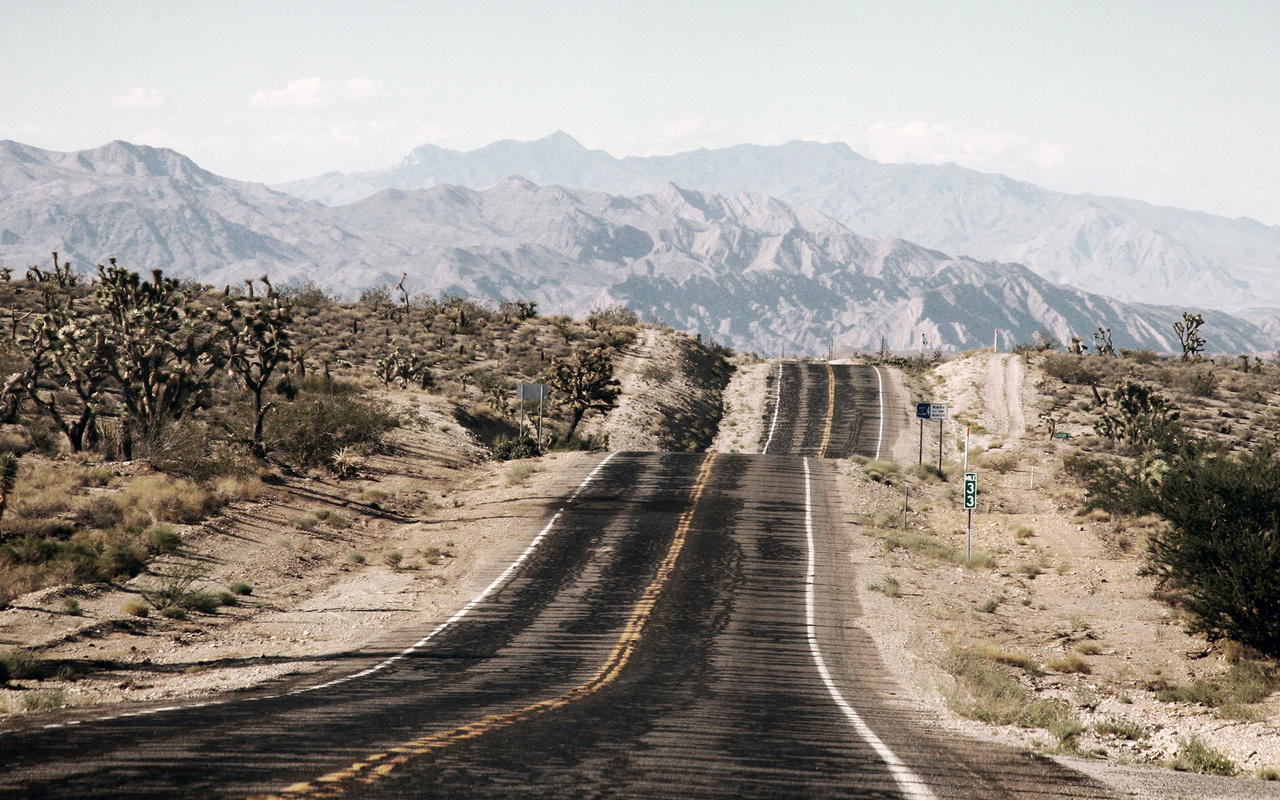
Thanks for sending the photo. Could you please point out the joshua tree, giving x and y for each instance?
(585, 382)
(256, 341)
(1189, 334)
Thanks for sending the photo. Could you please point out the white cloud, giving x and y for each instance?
(938, 143)
(139, 98)
(687, 128)
(315, 93)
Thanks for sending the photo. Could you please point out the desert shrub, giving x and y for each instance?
(1221, 547)
(1245, 683)
(325, 418)
(162, 539)
(22, 665)
(241, 588)
(656, 373)
(1198, 383)
(136, 608)
(1071, 662)
(521, 447)
(174, 587)
(100, 512)
(157, 498)
(1140, 356)
(1071, 368)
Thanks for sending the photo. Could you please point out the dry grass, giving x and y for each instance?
(1070, 663)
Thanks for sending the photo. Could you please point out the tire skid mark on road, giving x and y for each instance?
(912, 786)
(379, 765)
(468, 608)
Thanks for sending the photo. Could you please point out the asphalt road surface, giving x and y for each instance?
(682, 627)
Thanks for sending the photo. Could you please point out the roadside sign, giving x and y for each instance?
(1062, 435)
(931, 410)
(971, 490)
(532, 391)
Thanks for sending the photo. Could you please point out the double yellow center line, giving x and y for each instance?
(379, 765)
(831, 411)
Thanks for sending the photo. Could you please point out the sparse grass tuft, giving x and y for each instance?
(888, 586)
(1071, 662)
(930, 547)
(356, 557)
(241, 588)
(1196, 756)
(71, 606)
(1121, 729)
(520, 472)
(44, 700)
(986, 693)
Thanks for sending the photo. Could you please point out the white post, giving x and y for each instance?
(995, 341)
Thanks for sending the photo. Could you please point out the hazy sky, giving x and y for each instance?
(1173, 102)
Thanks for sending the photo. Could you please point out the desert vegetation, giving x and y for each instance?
(132, 404)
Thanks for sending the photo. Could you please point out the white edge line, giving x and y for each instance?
(880, 436)
(415, 646)
(911, 785)
(777, 402)
(477, 600)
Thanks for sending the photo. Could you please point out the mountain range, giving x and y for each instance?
(1123, 248)
(747, 269)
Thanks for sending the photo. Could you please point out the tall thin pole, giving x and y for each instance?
(995, 341)
(941, 422)
(906, 499)
(921, 460)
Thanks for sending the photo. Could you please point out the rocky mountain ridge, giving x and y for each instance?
(1127, 249)
(748, 270)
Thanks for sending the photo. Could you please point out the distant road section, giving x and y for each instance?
(828, 411)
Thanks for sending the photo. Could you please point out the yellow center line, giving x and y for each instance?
(831, 411)
(379, 765)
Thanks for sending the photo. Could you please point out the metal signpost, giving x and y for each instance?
(970, 503)
(532, 391)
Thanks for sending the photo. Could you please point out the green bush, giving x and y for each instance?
(1220, 552)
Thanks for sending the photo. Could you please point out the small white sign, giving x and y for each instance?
(937, 411)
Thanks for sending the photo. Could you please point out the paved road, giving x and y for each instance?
(829, 411)
(681, 628)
